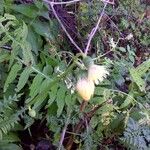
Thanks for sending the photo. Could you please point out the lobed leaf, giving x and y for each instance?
(23, 78)
(12, 75)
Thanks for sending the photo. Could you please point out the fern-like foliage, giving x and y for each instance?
(22, 67)
(9, 142)
(9, 114)
(14, 33)
(8, 102)
(138, 72)
(136, 137)
(7, 123)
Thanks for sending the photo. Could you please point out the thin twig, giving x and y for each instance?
(109, 2)
(61, 3)
(64, 131)
(109, 18)
(94, 30)
(63, 27)
(111, 50)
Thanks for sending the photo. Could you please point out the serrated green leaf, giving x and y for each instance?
(45, 85)
(38, 100)
(143, 68)
(4, 57)
(127, 101)
(35, 40)
(24, 31)
(14, 53)
(138, 72)
(35, 86)
(60, 100)
(23, 78)
(12, 75)
(43, 92)
(27, 54)
(52, 95)
(68, 99)
(137, 79)
(10, 137)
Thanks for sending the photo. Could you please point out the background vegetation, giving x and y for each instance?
(39, 67)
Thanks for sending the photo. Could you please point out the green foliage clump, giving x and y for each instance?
(136, 136)
(39, 69)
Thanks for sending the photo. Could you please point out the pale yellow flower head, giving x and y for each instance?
(97, 73)
(85, 88)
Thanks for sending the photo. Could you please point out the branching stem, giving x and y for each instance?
(64, 131)
(94, 30)
(63, 27)
(61, 3)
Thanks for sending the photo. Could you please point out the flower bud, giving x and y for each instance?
(85, 88)
(88, 61)
(32, 112)
(97, 73)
